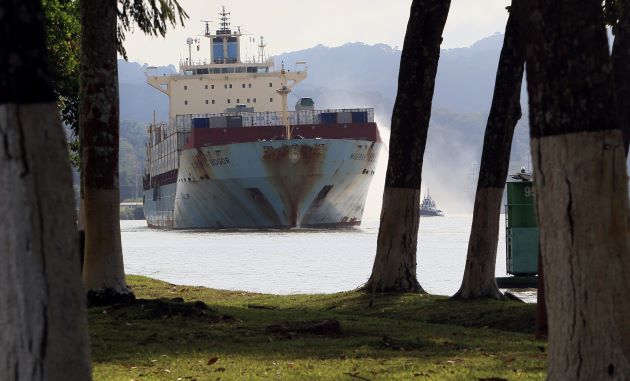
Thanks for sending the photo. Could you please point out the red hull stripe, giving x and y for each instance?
(201, 137)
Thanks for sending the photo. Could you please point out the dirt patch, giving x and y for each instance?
(164, 309)
(327, 327)
(109, 297)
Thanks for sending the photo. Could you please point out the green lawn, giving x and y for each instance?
(393, 337)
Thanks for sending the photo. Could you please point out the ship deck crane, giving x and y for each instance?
(284, 90)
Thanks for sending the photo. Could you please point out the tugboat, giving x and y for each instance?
(428, 207)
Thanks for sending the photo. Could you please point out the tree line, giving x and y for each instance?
(579, 102)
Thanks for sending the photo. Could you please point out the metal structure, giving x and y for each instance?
(233, 156)
(429, 208)
(521, 229)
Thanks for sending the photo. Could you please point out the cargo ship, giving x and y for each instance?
(232, 155)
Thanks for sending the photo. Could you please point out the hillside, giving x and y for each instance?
(350, 75)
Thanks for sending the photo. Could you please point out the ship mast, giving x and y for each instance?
(189, 41)
(225, 30)
(207, 33)
(224, 43)
(261, 49)
(284, 91)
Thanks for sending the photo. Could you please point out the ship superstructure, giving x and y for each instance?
(429, 208)
(233, 156)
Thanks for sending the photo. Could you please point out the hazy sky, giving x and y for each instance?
(289, 25)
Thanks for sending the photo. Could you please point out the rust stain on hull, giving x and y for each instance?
(292, 170)
(276, 184)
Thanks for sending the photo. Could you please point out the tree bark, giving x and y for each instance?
(621, 70)
(479, 275)
(542, 328)
(103, 271)
(42, 313)
(582, 194)
(395, 263)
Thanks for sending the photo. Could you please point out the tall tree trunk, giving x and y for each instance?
(42, 313)
(542, 328)
(395, 263)
(621, 70)
(479, 275)
(581, 190)
(103, 271)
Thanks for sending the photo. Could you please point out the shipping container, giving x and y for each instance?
(201, 123)
(344, 117)
(359, 117)
(234, 121)
(328, 117)
(218, 122)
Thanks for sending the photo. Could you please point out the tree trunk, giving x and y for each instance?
(42, 313)
(542, 328)
(395, 263)
(479, 275)
(103, 271)
(621, 70)
(582, 194)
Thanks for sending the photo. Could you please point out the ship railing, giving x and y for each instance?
(203, 67)
(185, 123)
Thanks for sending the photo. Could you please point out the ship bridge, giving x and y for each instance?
(224, 80)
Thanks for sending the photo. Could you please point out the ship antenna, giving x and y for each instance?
(190, 41)
(207, 28)
(261, 49)
(225, 20)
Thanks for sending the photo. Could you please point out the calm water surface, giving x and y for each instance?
(302, 261)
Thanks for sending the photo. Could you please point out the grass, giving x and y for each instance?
(398, 337)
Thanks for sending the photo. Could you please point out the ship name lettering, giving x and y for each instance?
(361, 156)
(220, 161)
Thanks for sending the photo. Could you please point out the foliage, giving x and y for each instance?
(133, 137)
(613, 9)
(398, 337)
(63, 30)
(151, 16)
(131, 213)
(63, 42)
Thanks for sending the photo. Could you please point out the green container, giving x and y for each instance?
(521, 229)
(520, 205)
(522, 251)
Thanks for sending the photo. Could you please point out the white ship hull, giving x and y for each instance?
(266, 184)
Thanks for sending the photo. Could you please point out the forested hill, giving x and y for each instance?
(360, 75)
(357, 73)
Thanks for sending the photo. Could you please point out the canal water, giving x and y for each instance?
(297, 261)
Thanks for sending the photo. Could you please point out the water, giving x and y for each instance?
(302, 261)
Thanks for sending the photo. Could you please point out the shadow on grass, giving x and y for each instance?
(237, 323)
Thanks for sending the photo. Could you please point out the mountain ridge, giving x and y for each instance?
(464, 81)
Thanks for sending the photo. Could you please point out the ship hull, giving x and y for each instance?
(266, 184)
(431, 213)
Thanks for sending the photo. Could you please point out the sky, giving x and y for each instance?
(290, 25)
